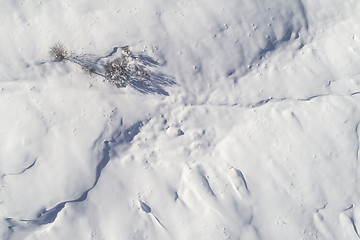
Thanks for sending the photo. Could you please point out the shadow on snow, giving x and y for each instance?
(152, 82)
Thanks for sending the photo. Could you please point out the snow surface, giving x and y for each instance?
(248, 129)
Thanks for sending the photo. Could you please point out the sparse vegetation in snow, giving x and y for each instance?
(58, 52)
(119, 71)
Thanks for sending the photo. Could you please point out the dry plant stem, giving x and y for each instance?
(58, 52)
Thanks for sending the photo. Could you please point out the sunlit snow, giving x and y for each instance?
(242, 124)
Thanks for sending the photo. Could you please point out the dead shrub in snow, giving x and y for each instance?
(58, 52)
(118, 68)
(117, 72)
(121, 70)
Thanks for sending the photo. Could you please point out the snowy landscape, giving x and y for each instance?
(187, 119)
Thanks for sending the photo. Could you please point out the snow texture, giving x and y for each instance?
(243, 124)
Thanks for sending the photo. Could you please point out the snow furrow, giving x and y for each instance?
(48, 216)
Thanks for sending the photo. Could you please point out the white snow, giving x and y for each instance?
(247, 129)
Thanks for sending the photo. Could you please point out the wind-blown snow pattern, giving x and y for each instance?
(246, 125)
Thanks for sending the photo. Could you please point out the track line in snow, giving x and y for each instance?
(21, 172)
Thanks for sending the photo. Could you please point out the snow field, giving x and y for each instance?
(258, 138)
